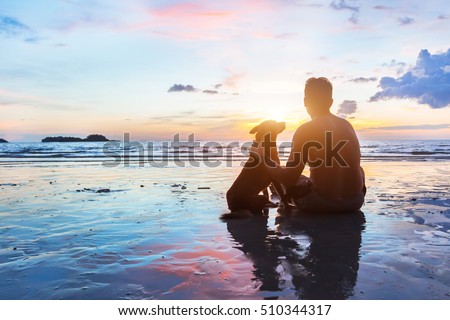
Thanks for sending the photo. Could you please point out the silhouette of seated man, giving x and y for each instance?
(329, 146)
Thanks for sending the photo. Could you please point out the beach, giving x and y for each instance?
(80, 230)
(124, 124)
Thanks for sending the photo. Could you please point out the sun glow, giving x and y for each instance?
(275, 114)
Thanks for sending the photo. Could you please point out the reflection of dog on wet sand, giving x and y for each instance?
(243, 197)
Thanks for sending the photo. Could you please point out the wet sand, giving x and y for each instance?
(155, 233)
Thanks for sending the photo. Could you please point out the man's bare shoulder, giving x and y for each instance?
(345, 123)
(303, 130)
(315, 129)
(331, 121)
(302, 135)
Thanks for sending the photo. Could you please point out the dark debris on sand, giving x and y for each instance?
(104, 190)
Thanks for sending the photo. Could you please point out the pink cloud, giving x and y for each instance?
(192, 15)
(204, 19)
(232, 80)
(182, 20)
(182, 10)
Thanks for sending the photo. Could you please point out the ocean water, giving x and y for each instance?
(230, 151)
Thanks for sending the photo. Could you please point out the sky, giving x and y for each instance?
(217, 68)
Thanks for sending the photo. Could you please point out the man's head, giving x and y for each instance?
(318, 96)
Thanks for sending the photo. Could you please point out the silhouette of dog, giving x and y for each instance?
(243, 197)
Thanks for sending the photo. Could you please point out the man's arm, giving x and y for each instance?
(289, 174)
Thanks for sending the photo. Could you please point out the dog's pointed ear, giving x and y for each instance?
(281, 126)
(255, 129)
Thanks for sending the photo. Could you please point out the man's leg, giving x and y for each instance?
(302, 188)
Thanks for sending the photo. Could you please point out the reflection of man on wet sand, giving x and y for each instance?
(329, 146)
(325, 266)
(329, 269)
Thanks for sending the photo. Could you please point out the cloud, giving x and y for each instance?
(213, 123)
(96, 14)
(276, 36)
(227, 87)
(181, 88)
(301, 3)
(182, 115)
(347, 107)
(191, 88)
(394, 63)
(343, 5)
(427, 82)
(11, 27)
(397, 65)
(382, 8)
(34, 39)
(363, 80)
(210, 91)
(232, 80)
(203, 20)
(406, 20)
(415, 127)
(31, 101)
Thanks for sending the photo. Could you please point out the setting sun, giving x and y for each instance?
(276, 114)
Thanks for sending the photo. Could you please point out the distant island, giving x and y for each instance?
(3, 141)
(90, 138)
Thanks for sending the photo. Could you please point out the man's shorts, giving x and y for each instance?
(307, 199)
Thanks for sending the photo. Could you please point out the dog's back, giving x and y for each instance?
(251, 180)
(244, 192)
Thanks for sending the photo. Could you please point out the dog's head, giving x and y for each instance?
(270, 127)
